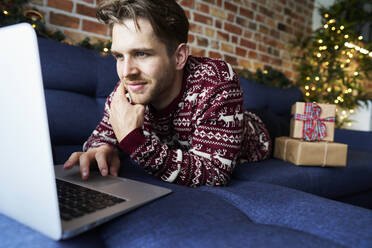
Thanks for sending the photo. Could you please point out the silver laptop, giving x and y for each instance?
(28, 191)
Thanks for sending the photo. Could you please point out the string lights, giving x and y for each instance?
(332, 76)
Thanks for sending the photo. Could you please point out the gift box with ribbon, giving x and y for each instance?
(301, 152)
(312, 121)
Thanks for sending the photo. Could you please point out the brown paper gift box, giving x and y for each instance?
(301, 152)
(328, 110)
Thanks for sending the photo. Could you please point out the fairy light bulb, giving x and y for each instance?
(346, 36)
(105, 49)
(336, 47)
(329, 89)
(360, 38)
(6, 12)
(319, 55)
(342, 27)
(317, 78)
(326, 15)
(307, 94)
(307, 87)
(320, 41)
(356, 73)
(325, 26)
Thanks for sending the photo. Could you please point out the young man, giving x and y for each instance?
(178, 116)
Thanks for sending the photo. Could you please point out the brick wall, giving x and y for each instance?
(246, 33)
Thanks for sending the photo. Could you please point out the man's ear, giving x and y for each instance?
(181, 54)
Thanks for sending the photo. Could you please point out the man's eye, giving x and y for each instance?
(118, 56)
(141, 54)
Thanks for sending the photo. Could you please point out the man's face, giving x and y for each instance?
(143, 65)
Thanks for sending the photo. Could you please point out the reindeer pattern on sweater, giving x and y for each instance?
(201, 136)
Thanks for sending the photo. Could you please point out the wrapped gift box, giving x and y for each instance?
(311, 120)
(301, 152)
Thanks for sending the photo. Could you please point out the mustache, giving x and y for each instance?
(135, 78)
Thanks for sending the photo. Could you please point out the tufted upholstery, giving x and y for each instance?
(77, 82)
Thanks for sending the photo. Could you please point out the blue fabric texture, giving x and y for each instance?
(330, 182)
(357, 140)
(280, 206)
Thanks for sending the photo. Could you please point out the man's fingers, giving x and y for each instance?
(101, 158)
(84, 161)
(72, 160)
(115, 164)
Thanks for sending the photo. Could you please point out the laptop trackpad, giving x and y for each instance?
(95, 178)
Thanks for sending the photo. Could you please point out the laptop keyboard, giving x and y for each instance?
(76, 201)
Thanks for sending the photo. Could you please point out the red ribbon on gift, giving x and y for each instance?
(314, 128)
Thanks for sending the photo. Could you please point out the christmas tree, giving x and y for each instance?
(335, 60)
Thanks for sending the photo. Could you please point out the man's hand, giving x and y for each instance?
(124, 116)
(105, 157)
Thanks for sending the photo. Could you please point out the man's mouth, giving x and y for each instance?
(136, 86)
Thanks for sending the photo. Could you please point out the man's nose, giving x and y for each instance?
(129, 68)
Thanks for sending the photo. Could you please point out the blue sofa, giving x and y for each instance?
(267, 204)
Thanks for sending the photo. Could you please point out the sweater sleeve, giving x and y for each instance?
(214, 146)
(103, 134)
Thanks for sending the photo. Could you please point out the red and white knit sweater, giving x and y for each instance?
(198, 139)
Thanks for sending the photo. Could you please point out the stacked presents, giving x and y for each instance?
(311, 142)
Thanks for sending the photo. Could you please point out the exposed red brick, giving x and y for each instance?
(214, 55)
(231, 60)
(64, 20)
(241, 51)
(254, 6)
(85, 10)
(188, 3)
(245, 63)
(201, 41)
(188, 14)
(218, 24)
(234, 39)
(203, 19)
(210, 1)
(223, 36)
(252, 55)
(246, 13)
(260, 18)
(248, 44)
(191, 38)
(65, 5)
(231, 7)
(233, 28)
(230, 17)
(94, 27)
(197, 52)
(227, 48)
(196, 28)
(203, 8)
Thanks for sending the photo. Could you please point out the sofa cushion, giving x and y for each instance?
(76, 82)
(192, 217)
(14, 234)
(278, 101)
(268, 204)
(331, 182)
(76, 69)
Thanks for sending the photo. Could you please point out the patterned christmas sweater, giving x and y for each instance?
(200, 137)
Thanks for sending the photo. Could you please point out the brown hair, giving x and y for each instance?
(167, 18)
